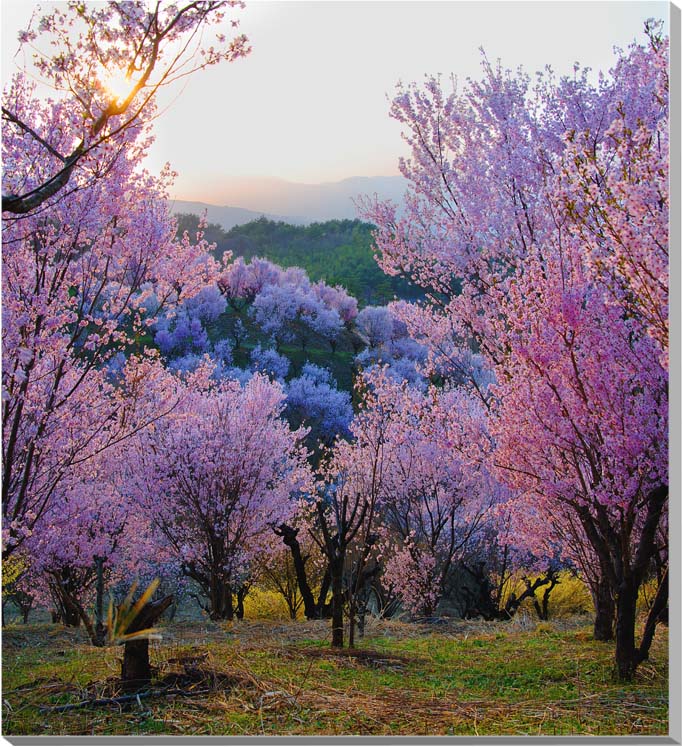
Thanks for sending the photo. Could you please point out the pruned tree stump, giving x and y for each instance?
(136, 671)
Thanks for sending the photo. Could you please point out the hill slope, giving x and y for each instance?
(224, 216)
(338, 251)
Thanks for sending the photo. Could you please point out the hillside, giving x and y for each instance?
(224, 216)
(337, 251)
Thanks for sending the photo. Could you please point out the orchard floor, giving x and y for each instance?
(516, 678)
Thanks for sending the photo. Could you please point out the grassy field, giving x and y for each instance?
(517, 678)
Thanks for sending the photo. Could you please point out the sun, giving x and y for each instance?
(117, 84)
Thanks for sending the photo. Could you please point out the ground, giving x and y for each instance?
(515, 678)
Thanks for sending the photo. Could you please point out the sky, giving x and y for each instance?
(310, 104)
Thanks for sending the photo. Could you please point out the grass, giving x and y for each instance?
(465, 678)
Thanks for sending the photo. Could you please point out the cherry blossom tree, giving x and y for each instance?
(215, 475)
(82, 264)
(537, 218)
(375, 325)
(338, 299)
(436, 492)
(285, 304)
(269, 362)
(183, 330)
(347, 507)
(291, 311)
(79, 540)
(71, 301)
(312, 400)
(617, 194)
(582, 422)
(390, 345)
(106, 61)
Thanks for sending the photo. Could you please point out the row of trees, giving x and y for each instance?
(206, 490)
(337, 251)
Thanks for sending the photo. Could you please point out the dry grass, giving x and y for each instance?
(276, 678)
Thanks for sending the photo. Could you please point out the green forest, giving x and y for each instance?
(339, 252)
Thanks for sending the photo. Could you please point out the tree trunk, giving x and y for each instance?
(99, 632)
(362, 617)
(352, 610)
(66, 611)
(323, 609)
(71, 619)
(136, 672)
(542, 607)
(24, 615)
(220, 600)
(626, 650)
(605, 611)
(290, 539)
(61, 585)
(241, 593)
(657, 613)
(336, 572)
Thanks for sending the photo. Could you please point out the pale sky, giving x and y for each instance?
(310, 102)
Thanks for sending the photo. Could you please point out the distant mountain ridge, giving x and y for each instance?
(292, 202)
(223, 215)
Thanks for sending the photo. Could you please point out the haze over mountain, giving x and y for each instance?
(224, 215)
(244, 200)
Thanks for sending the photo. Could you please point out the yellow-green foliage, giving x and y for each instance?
(12, 568)
(572, 597)
(569, 597)
(647, 594)
(265, 605)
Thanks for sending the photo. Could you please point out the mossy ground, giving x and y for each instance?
(466, 678)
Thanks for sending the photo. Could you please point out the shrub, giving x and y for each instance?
(261, 604)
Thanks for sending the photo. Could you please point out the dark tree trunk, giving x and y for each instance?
(25, 612)
(290, 539)
(99, 632)
(514, 602)
(136, 672)
(70, 616)
(220, 600)
(628, 654)
(352, 612)
(64, 587)
(605, 611)
(336, 572)
(241, 593)
(360, 597)
(324, 609)
(626, 649)
(658, 613)
(542, 606)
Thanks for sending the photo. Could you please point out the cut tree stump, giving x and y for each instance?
(136, 671)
